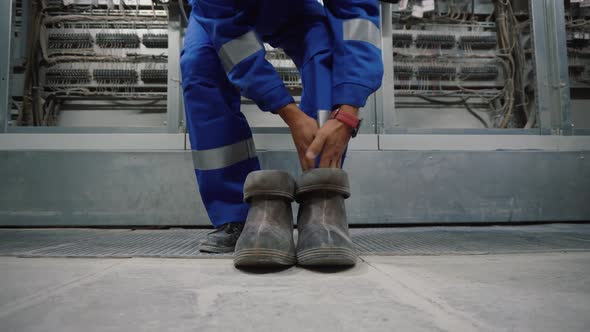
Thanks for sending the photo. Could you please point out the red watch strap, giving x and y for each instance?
(346, 118)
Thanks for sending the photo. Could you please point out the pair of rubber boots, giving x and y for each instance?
(323, 239)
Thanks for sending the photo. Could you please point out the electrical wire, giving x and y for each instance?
(182, 11)
(463, 102)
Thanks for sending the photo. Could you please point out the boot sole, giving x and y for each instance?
(327, 257)
(263, 257)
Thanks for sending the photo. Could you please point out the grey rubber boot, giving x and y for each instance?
(267, 237)
(322, 225)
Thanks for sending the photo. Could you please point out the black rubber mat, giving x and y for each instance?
(369, 241)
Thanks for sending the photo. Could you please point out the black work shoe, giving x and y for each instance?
(223, 239)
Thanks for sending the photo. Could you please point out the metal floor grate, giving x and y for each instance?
(369, 241)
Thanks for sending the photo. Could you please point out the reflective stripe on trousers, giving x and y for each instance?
(224, 156)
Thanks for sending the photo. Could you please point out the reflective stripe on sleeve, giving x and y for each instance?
(236, 50)
(361, 29)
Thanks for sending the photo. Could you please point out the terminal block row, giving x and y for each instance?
(105, 76)
(478, 42)
(403, 71)
(435, 41)
(154, 76)
(485, 72)
(576, 70)
(106, 40)
(436, 72)
(474, 42)
(289, 75)
(70, 40)
(67, 76)
(402, 39)
(117, 40)
(578, 38)
(115, 76)
(151, 40)
(479, 73)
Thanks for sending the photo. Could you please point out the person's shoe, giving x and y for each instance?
(222, 239)
(267, 238)
(323, 230)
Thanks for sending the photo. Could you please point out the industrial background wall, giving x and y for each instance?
(483, 115)
(152, 188)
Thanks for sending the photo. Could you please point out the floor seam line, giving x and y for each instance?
(30, 300)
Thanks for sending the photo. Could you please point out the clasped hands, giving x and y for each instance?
(329, 141)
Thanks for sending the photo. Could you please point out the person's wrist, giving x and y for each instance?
(350, 110)
(290, 114)
(347, 115)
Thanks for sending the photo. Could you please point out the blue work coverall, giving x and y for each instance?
(335, 45)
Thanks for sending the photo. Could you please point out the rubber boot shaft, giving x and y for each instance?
(323, 239)
(267, 237)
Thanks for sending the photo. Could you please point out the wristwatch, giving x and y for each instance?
(348, 119)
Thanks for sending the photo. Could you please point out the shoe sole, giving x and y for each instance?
(215, 250)
(327, 257)
(263, 257)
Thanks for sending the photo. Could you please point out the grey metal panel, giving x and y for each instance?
(17, 84)
(385, 104)
(465, 131)
(95, 142)
(158, 188)
(88, 130)
(368, 114)
(476, 142)
(19, 47)
(94, 188)
(581, 113)
(5, 55)
(582, 132)
(113, 118)
(551, 65)
(573, 143)
(174, 77)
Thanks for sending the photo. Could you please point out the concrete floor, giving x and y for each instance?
(528, 292)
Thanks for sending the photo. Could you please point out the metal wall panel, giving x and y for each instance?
(551, 66)
(5, 57)
(158, 188)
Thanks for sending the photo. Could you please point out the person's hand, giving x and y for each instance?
(331, 141)
(303, 129)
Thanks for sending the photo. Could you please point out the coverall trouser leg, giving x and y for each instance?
(221, 139)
